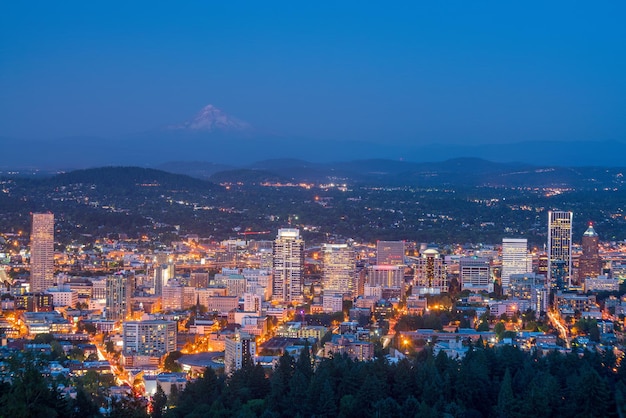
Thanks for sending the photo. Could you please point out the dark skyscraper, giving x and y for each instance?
(560, 248)
(589, 262)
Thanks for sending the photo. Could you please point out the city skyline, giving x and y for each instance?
(434, 303)
(289, 209)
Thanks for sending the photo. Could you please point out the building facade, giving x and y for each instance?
(338, 269)
(240, 349)
(385, 276)
(430, 273)
(589, 263)
(390, 253)
(560, 249)
(475, 274)
(288, 261)
(118, 294)
(42, 252)
(515, 260)
(149, 338)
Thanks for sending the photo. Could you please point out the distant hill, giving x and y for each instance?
(198, 169)
(428, 202)
(130, 177)
(248, 176)
(469, 172)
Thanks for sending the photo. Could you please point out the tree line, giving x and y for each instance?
(488, 382)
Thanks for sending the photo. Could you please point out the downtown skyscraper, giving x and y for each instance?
(560, 249)
(118, 293)
(288, 265)
(589, 263)
(42, 252)
(430, 273)
(338, 269)
(515, 260)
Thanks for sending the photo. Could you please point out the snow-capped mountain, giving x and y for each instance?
(211, 119)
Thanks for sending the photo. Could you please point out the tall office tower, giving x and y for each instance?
(589, 263)
(475, 274)
(390, 253)
(118, 293)
(515, 260)
(430, 273)
(239, 349)
(162, 274)
(149, 338)
(560, 249)
(338, 269)
(288, 261)
(42, 252)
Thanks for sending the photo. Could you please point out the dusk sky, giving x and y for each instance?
(460, 72)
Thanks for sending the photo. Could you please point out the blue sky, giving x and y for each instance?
(414, 72)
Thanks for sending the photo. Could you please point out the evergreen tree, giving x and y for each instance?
(349, 406)
(298, 394)
(199, 395)
(279, 383)
(158, 402)
(507, 404)
(327, 406)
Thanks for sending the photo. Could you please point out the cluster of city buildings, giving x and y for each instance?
(248, 298)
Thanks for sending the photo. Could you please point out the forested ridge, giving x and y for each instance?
(488, 382)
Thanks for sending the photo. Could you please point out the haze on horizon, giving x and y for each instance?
(428, 73)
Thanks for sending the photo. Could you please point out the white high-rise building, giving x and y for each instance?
(162, 274)
(288, 265)
(240, 349)
(149, 338)
(42, 252)
(515, 260)
(338, 269)
(560, 248)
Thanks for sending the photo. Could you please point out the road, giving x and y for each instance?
(562, 330)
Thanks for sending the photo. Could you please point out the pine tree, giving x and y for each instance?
(158, 403)
(507, 404)
(327, 406)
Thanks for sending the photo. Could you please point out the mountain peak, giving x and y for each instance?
(210, 119)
